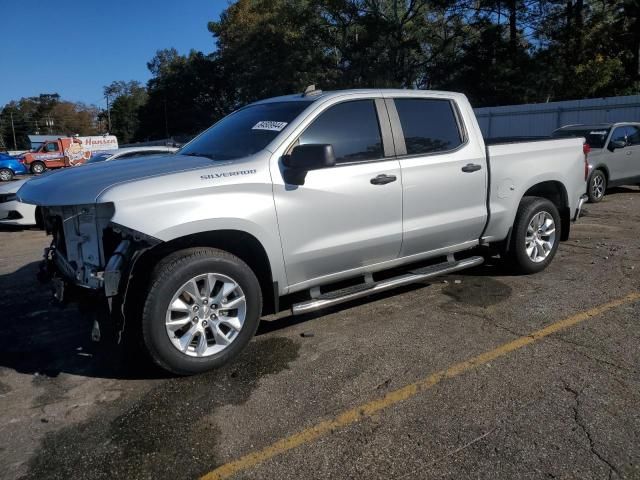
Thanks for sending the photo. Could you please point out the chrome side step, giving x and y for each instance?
(351, 293)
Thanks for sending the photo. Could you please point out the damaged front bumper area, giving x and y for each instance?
(89, 254)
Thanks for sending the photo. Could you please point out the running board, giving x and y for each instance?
(358, 291)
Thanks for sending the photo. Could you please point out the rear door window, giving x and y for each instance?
(428, 125)
(351, 127)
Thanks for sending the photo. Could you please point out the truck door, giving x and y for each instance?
(53, 155)
(444, 175)
(632, 151)
(619, 161)
(349, 215)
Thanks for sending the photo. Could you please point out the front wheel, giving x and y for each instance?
(597, 186)
(37, 168)
(6, 174)
(535, 236)
(202, 308)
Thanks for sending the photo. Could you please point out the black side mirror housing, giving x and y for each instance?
(613, 144)
(304, 158)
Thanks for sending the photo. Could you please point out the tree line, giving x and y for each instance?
(497, 52)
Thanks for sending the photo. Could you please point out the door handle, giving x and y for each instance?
(471, 167)
(383, 179)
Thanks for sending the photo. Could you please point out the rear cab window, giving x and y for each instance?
(428, 125)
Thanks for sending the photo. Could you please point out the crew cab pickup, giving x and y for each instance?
(613, 153)
(306, 200)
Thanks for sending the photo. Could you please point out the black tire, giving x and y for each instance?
(37, 168)
(518, 258)
(6, 174)
(597, 186)
(167, 278)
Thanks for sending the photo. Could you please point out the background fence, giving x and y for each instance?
(540, 119)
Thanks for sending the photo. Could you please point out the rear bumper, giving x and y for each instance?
(581, 202)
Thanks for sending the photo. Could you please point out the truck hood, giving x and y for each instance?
(84, 184)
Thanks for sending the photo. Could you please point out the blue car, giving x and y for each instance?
(10, 166)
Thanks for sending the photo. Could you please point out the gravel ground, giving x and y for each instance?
(565, 406)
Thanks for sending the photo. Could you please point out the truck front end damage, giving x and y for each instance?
(90, 257)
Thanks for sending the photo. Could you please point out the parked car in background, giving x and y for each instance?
(10, 167)
(67, 152)
(613, 153)
(130, 152)
(316, 194)
(13, 212)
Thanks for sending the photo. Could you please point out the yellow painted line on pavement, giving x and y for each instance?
(351, 416)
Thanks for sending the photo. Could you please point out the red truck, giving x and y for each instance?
(67, 152)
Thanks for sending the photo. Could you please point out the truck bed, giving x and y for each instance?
(514, 167)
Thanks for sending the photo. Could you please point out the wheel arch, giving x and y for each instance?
(603, 167)
(556, 193)
(237, 242)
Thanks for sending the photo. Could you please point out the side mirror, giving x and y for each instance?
(613, 144)
(304, 158)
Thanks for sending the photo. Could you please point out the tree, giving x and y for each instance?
(128, 98)
(46, 114)
(186, 95)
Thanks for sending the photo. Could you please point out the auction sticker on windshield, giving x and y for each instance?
(269, 125)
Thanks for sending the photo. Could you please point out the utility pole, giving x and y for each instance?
(13, 130)
(166, 122)
(108, 114)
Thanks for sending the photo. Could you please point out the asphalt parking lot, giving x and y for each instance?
(476, 375)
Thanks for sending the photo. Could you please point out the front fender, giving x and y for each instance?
(270, 241)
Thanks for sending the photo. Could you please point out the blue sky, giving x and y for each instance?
(76, 47)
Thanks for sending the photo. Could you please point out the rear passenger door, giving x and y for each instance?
(444, 175)
(633, 151)
(618, 159)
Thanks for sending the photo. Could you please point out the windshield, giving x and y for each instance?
(244, 132)
(99, 157)
(596, 137)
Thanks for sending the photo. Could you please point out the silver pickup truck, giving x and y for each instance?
(613, 154)
(305, 200)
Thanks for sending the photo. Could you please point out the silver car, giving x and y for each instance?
(613, 153)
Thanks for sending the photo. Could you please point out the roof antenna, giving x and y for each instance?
(311, 90)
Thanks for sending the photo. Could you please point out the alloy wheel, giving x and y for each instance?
(597, 186)
(206, 314)
(540, 237)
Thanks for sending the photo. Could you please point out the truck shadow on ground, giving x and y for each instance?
(18, 228)
(39, 337)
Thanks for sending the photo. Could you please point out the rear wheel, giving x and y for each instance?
(6, 174)
(38, 167)
(201, 310)
(535, 236)
(597, 186)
